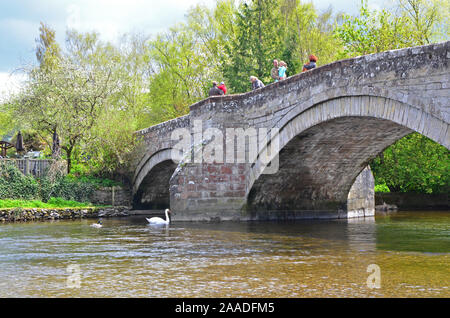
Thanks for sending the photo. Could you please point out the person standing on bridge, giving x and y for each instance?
(222, 87)
(214, 90)
(282, 70)
(256, 83)
(311, 64)
(274, 71)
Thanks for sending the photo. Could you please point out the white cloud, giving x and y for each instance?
(10, 84)
(115, 17)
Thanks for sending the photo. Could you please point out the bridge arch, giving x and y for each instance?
(324, 148)
(151, 181)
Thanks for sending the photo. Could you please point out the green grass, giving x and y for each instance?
(52, 203)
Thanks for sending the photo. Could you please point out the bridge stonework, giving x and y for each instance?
(331, 120)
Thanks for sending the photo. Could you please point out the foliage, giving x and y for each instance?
(256, 44)
(382, 188)
(97, 182)
(414, 164)
(283, 29)
(416, 22)
(15, 185)
(6, 120)
(428, 20)
(71, 96)
(67, 188)
(50, 204)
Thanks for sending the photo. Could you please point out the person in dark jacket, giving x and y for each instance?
(311, 64)
(256, 83)
(274, 71)
(214, 90)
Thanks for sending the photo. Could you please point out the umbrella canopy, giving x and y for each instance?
(19, 142)
(56, 148)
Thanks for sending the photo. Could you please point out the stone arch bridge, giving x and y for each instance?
(330, 122)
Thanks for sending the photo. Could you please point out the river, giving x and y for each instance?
(128, 258)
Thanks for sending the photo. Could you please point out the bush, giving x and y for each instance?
(382, 188)
(15, 185)
(66, 188)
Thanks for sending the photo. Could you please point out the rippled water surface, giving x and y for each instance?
(128, 258)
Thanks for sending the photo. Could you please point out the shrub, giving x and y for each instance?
(15, 185)
(381, 188)
(66, 188)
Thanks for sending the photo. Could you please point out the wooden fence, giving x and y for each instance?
(34, 167)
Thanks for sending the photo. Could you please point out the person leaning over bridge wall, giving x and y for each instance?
(311, 64)
(214, 90)
(256, 83)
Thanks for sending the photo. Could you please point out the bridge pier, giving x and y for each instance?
(207, 192)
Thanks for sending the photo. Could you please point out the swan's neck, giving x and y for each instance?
(167, 217)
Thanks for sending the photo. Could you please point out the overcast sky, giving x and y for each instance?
(19, 22)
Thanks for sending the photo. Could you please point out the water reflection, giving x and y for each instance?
(129, 258)
(418, 231)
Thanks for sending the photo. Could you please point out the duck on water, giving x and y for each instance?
(97, 225)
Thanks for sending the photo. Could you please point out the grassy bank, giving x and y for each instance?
(50, 204)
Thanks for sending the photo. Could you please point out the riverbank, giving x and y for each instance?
(36, 214)
(413, 201)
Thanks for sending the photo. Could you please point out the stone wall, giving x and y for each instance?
(36, 214)
(116, 196)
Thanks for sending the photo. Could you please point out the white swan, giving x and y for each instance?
(156, 220)
(97, 225)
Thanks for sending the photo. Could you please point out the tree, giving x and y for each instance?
(276, 29)
(428, 20)
(6, 120)
(414, 164)
(69, 96)
(416, 22)
(372, 32)
(47, 49)
(48, 54)
(181, 73)
(256, 44)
